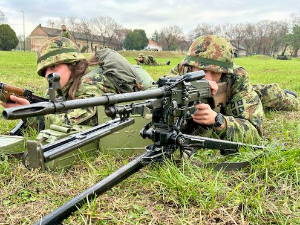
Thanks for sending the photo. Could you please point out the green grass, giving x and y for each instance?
(265, 193)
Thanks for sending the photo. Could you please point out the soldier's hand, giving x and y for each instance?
(204, 114)
(16, 102)
(213, 86)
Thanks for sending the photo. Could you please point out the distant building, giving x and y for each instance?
(238, 51)
(41, 34)
(153, 46)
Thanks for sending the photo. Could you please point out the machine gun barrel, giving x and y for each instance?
(44, 108)
(165, 85)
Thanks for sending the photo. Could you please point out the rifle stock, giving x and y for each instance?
(7, 90)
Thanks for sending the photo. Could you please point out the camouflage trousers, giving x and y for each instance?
(154, 63)
(275, 98)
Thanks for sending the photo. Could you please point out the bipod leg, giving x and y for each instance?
(101, 187)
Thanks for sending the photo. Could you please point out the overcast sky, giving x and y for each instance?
(148, 15)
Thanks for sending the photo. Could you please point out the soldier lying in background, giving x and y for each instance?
(149, 60)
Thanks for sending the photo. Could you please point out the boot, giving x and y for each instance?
(168, 63)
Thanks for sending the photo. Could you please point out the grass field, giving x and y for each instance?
(265, 193)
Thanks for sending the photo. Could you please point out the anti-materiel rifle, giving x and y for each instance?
(171, 104)
(7, 90)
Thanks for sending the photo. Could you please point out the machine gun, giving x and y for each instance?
(171, 104)
(7, 90)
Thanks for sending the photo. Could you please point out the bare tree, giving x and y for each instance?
(55, 23)
(73, 25)
(278, 31)
(106, 28)
(84, 28)
(184, 44)
(51, 23)
(120, 34)
(250, 39)
(202, 29)
(63, 21)
(3, 18)
(235, 33)
(170, 37)
(262, 35)
(295, 19)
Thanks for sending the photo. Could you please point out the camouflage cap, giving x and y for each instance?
(211, 53)
(56, 51)
(141, 55)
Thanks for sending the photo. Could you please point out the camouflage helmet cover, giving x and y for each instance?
(141, 55)
(211, 53)
(56, 51)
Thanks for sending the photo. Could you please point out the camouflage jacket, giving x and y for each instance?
(93, 84)
(149, 60)
(275, 98)
(243, 112)
(65, 34)
(146, 61)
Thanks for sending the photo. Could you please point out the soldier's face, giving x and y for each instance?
(209, 75)
(63, 70)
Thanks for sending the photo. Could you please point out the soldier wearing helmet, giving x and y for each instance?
(79, 77)
(242, 117)
(149, 60)
(64, 32)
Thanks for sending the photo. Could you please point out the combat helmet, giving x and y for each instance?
(211, 53)
(56, 51)
(141, 55)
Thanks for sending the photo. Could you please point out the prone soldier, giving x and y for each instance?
(242, 118)
(149, 60)
(106, 72)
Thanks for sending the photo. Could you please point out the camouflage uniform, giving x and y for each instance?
(275, 98)
(244, 112)
(65, 34)
(93, 84)
(271, 95)
(150, 60)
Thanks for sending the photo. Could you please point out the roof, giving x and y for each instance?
(54, 32)
(237, 48)
(153, 43)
